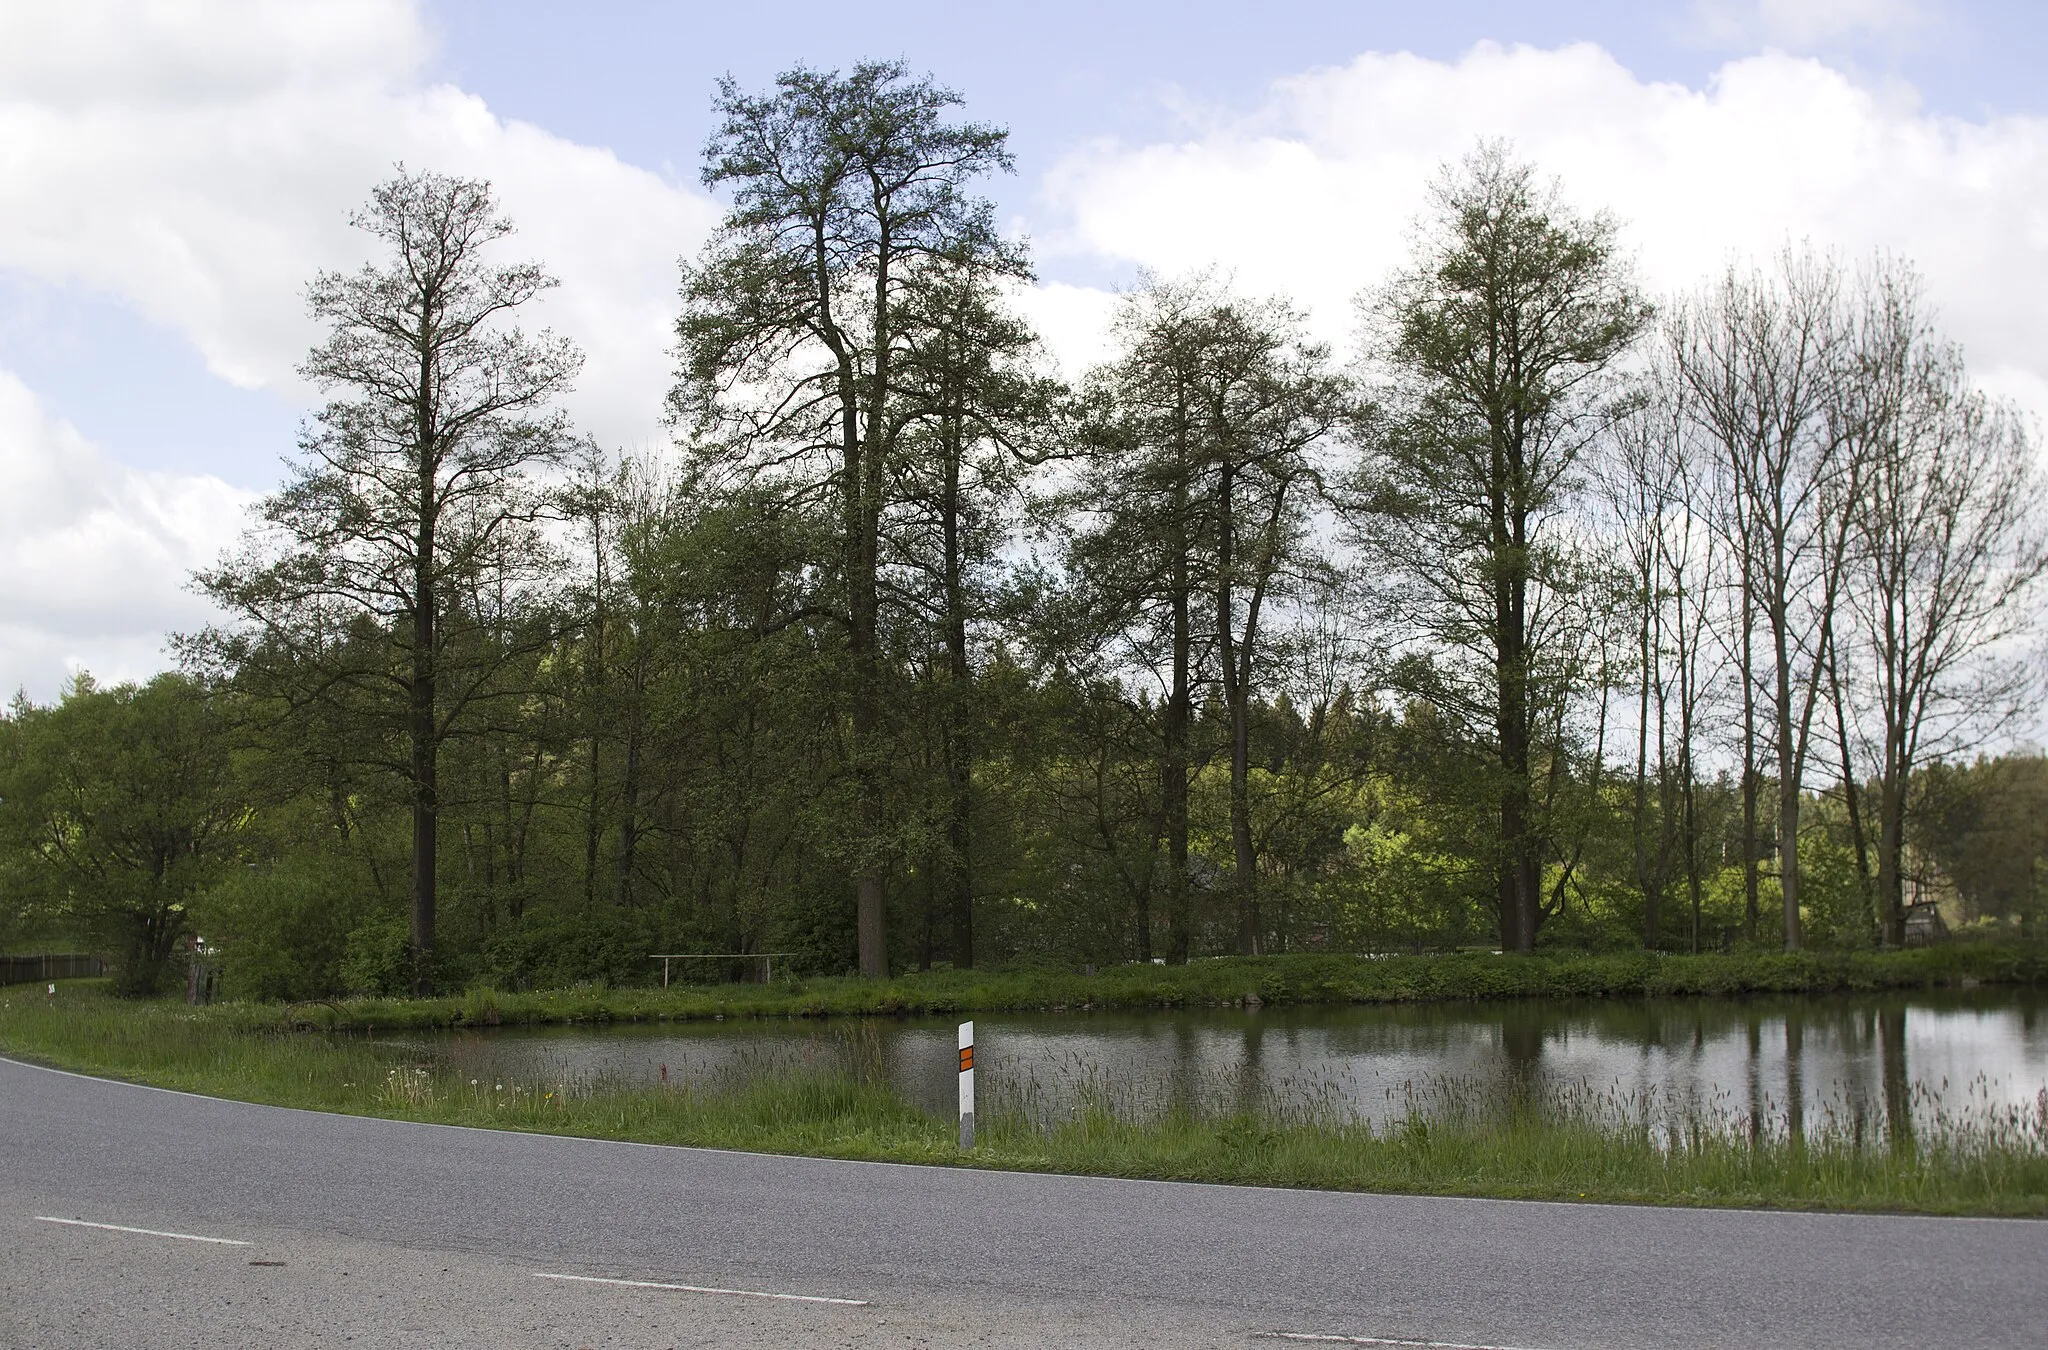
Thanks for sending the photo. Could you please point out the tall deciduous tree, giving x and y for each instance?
(411, 479)
(1764, 360)
(1656, 486)
(1498, 348)
(849, 192)
(1947, 548)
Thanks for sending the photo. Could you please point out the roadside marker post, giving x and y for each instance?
(967, 1085)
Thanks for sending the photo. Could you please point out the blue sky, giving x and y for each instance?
(636, 76)
(180, 171)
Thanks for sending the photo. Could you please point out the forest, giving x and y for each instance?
(1545, 613)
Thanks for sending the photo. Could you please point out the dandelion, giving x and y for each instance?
(499, 1088)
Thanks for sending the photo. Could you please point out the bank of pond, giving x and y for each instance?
(1921, 1085)
(1221, 982)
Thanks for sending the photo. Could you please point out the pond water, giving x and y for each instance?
(1863, 1066)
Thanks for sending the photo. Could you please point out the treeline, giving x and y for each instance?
(1555, 616)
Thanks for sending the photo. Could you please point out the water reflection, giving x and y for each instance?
(1781, 1068)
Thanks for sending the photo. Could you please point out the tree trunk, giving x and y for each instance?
(1233, 664)
(959, 891)
(1852, 800)
(1651, 895)
(1173, 772)
(629, 789)
(1891, 838)
(425, 800)
(1519, 872)
(1244, 859)
(870, 914)
(593, 825)
(1788, 784)
(1752, 883)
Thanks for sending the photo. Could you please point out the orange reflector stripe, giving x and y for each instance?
(967, 1059)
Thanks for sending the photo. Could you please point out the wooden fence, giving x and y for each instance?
(29, 969)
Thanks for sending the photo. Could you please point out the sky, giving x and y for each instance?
(173, 172)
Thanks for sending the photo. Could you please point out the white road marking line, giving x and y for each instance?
(146, 1232)
(1329, 1339)
(704, 1289)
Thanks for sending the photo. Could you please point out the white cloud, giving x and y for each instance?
(95, 555)
(197, 161)
(1804, 24)
(1314, 193)
(1072, 321)
(205, 51)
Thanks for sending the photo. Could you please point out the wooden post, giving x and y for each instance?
(967, 1085)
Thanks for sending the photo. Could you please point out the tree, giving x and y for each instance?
(1196, 496)
(848, 193)
(412, 476)
(118, 807)
(1497, 350)
(976, 416)
(1657, 493)
(1763, 360)
(1947, 547)
(1985, 827)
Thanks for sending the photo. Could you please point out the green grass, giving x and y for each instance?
(1211, 983)
(1999, 1167)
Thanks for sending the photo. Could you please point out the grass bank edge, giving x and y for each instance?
(162, 1045)
(1214, 983)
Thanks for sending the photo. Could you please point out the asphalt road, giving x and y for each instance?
(377, 1233)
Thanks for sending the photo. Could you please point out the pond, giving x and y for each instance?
(1857, 1065)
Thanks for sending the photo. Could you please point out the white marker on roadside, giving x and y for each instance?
(967, 1085)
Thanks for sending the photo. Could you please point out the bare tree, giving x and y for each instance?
(1763, 359)
(1657, 489)
(1948, 546)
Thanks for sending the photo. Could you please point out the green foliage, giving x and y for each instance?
(1986, 826)
(377, 957)
(287, 930)
(561, 946)
(118, 808)
(859, 647)
(1218, 982)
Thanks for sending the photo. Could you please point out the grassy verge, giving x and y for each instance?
(1506, 1153)
(1214, 983)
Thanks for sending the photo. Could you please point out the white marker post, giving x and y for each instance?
(967, 1085)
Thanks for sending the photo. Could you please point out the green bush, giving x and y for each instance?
(556, 947)
(377, 958)
(282, 931)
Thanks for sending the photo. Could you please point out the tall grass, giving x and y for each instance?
(1447, 1137)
